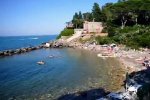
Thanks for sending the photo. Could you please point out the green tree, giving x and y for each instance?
(77, 20)
(106, 10)
(96, 11)
(87, 16)
(122, 0)
(80, 15)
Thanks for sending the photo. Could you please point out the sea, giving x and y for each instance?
(15, 42)
(65, 70)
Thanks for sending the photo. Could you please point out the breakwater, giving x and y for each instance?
(19, 51)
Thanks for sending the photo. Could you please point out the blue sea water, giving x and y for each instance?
(70, 70)
(14, 42)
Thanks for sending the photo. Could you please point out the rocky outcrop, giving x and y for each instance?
(137, 87)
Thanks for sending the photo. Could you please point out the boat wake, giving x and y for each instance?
(34, 38)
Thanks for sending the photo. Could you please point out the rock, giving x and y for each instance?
(17, 51)
(6, 53)
(29, 49)
(41, 46)
(38, 47)
(1, 53)
(57, 44)
(33, 48)
(23, 50)
(47, 45)
(10, 51)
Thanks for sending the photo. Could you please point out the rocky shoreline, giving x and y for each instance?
(137, 78)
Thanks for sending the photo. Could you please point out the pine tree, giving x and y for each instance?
(80, 15)
(96, 11)
(87, 16)
(78, 20)
(76, 16)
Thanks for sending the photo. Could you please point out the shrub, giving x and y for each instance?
(132, 44)
(103, 40)
(134, 37)
(144, 40)
(111, 31)
(66, 32)
(104, 30)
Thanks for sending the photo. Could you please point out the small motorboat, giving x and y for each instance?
(54, 56)
(99, 55)
(41, 62)
(106, 55)
(51, 56)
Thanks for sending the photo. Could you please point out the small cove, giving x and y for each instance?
(73, 70)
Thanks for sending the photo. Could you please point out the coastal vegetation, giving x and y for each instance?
(134, 37)
(66, 32)
(126, 22)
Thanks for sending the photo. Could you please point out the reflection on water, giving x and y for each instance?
(73, 70)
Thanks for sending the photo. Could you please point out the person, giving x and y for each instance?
(126, 82)
(145, 58)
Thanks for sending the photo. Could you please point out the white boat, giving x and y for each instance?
(51, 56)
(106, 55)
(41, 62)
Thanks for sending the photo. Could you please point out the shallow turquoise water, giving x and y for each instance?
(69, 70)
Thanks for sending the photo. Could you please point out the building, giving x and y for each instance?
(92, 27)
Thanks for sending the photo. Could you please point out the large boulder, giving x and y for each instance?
(17, 51)
(23, 50)
(1, 53)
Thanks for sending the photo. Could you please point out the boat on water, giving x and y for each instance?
(54, 56)
(41, 62)
(106, 55)
(51, 56)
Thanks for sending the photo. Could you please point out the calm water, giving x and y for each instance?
(70, 70)
(14, 42)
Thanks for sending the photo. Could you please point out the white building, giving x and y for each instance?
(89, 29)
(92, 27)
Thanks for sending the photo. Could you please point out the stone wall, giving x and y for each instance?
(78, 31)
